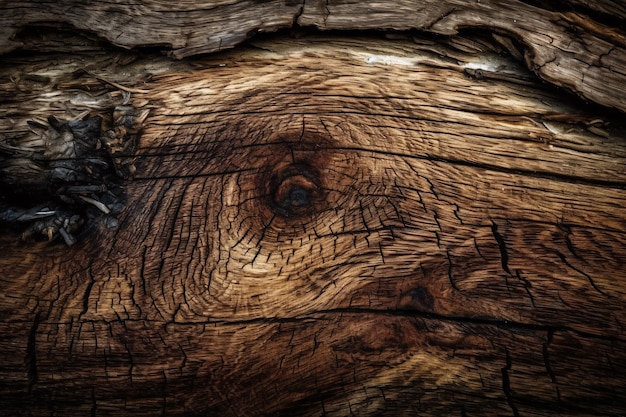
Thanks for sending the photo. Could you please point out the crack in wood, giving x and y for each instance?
(450, 273)
(504, 255)
(506, 384)
(31, 354)
(546, 358)
(581, 272)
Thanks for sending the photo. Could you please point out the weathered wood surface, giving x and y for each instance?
(576, 44)
(325, 226)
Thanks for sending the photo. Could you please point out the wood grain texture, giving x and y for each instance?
(327, 226)
(578, 45)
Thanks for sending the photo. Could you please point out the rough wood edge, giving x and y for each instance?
(578, 45)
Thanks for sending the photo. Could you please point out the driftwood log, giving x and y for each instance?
(394, 223)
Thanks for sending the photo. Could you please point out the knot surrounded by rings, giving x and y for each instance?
(295, 190)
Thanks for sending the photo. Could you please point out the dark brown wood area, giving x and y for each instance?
(400, 224)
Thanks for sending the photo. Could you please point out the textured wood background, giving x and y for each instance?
(324, 226)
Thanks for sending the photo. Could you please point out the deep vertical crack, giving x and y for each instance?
(546, 360)
(31, 354)
(450, 274)
(296, 17)
(506, 384)
(568, 241)
(504, 255)
(87, 295)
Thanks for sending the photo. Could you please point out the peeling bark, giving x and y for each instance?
(578, 45)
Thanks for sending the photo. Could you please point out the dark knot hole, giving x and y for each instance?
(295, 190)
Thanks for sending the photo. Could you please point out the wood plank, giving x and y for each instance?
(326, 226)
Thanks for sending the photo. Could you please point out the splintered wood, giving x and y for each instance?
(336, 227)
(577, 44)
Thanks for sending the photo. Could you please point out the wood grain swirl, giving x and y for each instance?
(330, 226)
